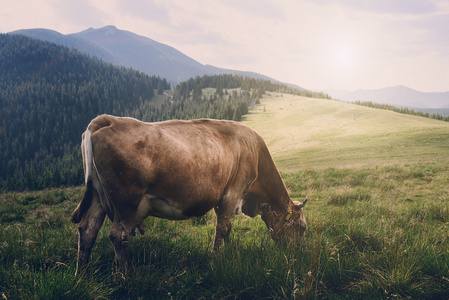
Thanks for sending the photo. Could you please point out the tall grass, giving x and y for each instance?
(372, 233)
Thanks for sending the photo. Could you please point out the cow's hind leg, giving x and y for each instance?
(88, 230)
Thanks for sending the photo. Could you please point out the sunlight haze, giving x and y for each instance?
(317, 45)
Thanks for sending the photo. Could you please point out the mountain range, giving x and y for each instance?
(128, 49)
(399, 96)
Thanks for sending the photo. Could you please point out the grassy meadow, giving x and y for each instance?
(378, 221)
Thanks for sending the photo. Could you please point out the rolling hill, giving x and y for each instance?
(128, 49)
(305, 133)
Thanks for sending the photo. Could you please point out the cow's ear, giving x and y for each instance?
(265, 208)
(299, 205)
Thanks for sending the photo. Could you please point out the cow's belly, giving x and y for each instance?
(157, 207)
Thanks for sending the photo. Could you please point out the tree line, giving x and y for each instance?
(229, 100)
(402, 110)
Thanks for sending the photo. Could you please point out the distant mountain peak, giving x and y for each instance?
(107, 30)
(110, 27)
(128, 49)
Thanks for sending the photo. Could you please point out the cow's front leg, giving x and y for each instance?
(222, 230)
(224, 211)
(119, 236)
(88, 230)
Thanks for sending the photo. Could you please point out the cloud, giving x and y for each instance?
(432, 32)
(17, 15)
(75, 14)
(146, 10)
(257, 8)
(220, 33)
(415, 7)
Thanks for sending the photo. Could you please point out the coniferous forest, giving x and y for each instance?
(50, 93)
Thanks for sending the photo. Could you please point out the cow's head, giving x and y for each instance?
(288, 225)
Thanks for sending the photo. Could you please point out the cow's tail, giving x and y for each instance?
(87, 152)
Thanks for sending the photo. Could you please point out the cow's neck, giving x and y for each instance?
(275, 192)
(274, 198)
(278, 196)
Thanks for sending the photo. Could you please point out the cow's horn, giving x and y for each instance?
(300, 205)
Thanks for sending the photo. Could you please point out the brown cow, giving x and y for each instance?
(177, 170)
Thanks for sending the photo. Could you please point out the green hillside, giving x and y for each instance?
(305, 133)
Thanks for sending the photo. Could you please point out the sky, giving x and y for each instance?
(316, 44)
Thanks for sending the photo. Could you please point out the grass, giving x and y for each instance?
(366, 239)
(304, 133)
(377, 224)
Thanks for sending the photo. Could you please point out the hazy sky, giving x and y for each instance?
(317, 44)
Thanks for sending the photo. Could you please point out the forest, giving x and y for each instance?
(50, 93)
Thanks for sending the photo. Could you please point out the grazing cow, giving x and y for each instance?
(177, 170)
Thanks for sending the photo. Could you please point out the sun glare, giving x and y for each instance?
(343, 62)
(342, 56)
